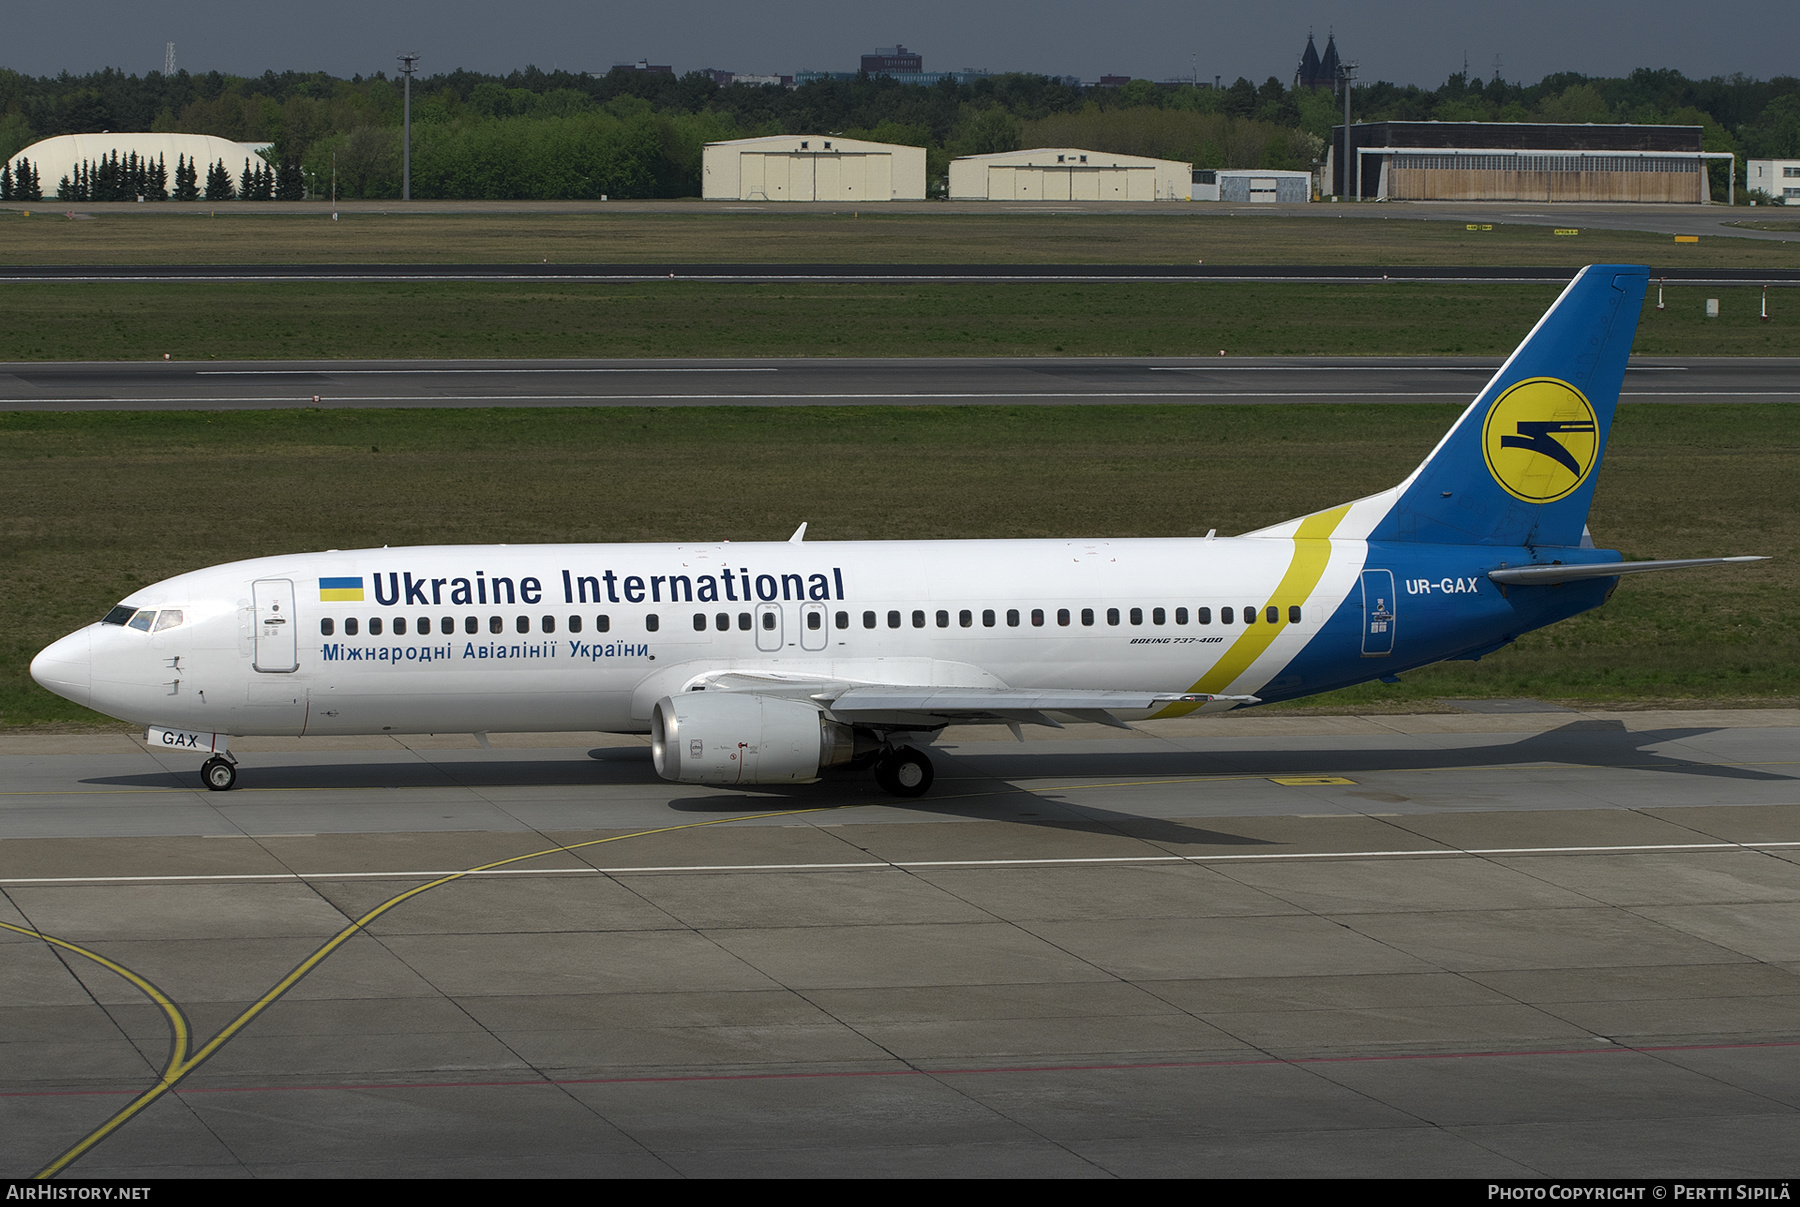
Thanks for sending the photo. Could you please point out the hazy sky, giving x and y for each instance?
(1407, 41)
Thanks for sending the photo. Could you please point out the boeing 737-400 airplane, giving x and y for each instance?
(767, 663)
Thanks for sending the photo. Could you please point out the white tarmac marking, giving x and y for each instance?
(427, 372)
(1474, 852)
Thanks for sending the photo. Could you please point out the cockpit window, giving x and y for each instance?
(119, 615)
(142, 620)
(168, 618)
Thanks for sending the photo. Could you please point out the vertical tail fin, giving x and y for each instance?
(1518, 468)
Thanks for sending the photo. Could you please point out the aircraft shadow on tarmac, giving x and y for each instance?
(1586, 743)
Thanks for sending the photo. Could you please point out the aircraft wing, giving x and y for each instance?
(902, 704)
(1547, 575)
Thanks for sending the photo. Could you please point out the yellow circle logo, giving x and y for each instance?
(1540, 439)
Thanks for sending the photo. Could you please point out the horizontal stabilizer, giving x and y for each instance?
(1537, 576)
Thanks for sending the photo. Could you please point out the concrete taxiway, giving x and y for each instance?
(1517, 942)
(1196, 380)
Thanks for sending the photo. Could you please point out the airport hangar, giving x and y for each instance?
(802, 167)
(1068, 174)
(55, 158)
(1521, 161)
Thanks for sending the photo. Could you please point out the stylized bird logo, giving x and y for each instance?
(1537, 435)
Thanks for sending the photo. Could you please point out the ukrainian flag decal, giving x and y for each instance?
(346, 590)
(1541, 438)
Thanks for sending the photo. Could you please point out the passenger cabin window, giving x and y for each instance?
(1062, 616)
(471, 625)
(327, 626)
(843, 620)
(496, 625)
(965, 618)
(1158, 616)
(1137, 616)
(522, 624)
(1293, 613)
(1112, 616)
(399, 626)
(574, 624)
(424, 626)
(722, 622)
(699, 622)
(1037, 618)
(1204, 616)
(893, 620)
(769, 621)
(118, 615)
(350, 626)
(1226, 616)
(744, 621)
(1180, 615)
(549, 624)
(1087, 616)
(814, 620)
(374, 626)
(1249, 615)
(943, 619)
(987, 618)
(868, 620)
(1273, 614)
(652, 623)
(918, 620)
(1012, 618)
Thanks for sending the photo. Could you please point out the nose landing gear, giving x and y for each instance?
(218, 774)
(904, 771)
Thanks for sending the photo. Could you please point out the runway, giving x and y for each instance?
(1515, 942)
(753, 274)
(256, 385)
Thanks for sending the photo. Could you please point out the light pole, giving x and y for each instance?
(1351, 165)
(406, 152)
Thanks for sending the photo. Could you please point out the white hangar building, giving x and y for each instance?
(1068, 174)
(54, 158)
(811, 167)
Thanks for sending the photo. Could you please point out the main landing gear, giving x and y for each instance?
(904, 771)
(218, 774)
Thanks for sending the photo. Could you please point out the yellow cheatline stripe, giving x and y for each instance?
(1312, 553)
(180, 1064)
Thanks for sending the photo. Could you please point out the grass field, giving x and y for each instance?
(95, 505)
(689, 235)
(303, 320)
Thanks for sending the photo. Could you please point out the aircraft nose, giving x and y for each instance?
(66, 667)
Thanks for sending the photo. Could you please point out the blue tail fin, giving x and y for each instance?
(1518, 468)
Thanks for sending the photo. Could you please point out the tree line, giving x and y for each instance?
(537, 134)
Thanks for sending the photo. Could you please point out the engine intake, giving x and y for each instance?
(742, 738)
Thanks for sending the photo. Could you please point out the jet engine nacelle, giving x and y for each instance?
(742, 738)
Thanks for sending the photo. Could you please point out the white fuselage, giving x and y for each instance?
(587, 637)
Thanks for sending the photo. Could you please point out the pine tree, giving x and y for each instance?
(290, 184)
(157, 181)
(31, 189)
(246, 183)
(6, 181)
(218, 183)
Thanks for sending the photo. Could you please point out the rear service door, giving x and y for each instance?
(1378, 613)
(275, 626)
